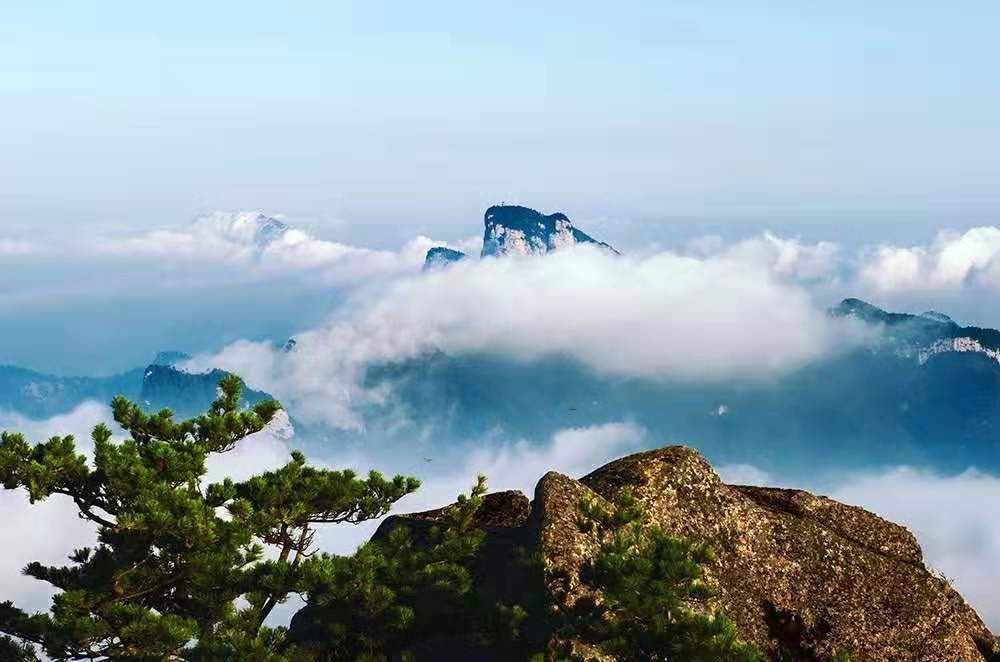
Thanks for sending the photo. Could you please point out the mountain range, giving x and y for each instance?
(925, 391)
(159, 385)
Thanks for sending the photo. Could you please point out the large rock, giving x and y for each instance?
(800, 575)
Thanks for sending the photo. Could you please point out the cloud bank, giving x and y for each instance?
(47, 531)
(787, 258)
(202, 270)
(663, 316)
(266, 247)
(953, 260)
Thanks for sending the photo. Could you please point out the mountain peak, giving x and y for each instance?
(859, 308)
(441, 256)
(516, 230)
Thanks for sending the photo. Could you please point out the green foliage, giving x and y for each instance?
(12, 650)
(395, 591)
(653, 602)
(180, 570)
(172, 555)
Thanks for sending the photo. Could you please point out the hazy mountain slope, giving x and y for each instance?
(157, 386)
(38, 395)
(898, 401)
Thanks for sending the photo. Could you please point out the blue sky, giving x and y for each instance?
(379, 120)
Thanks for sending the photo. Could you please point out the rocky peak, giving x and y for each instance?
(441, 256)
(862, 310)
(801, 576)
(515, 230)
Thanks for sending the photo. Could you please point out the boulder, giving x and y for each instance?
(801, 576)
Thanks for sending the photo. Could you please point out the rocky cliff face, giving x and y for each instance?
(800, 575)
(514, 230)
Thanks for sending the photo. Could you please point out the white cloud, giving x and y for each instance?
(951, 261)
(265, 451)
(49, 531)
(265, 244)
(744, 474)
(79, 422)
(954, 519)
(786, 258)
(892, 269)
(663, 316)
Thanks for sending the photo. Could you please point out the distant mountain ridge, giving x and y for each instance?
(922, 336)
(184, 393)
(39, 395)
(159, 385)
(924, 391)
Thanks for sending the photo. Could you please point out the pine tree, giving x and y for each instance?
(173, 554)
(396, 592)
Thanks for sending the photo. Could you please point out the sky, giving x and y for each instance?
(652, 125)
(372, 122)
